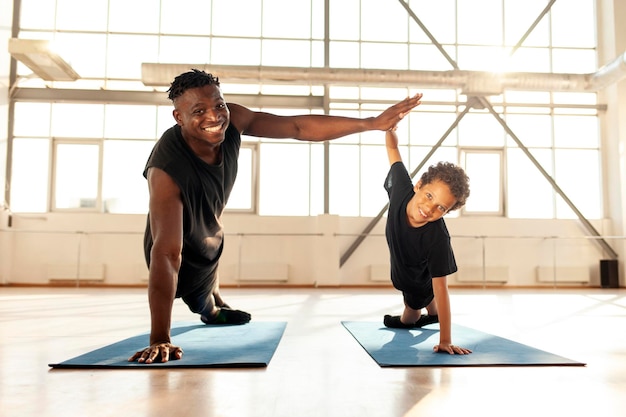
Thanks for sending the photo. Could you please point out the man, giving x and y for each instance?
(190, 174)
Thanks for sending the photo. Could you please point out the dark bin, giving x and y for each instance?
(608, 273)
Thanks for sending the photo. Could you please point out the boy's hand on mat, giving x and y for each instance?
(162, 352)
(451, 349)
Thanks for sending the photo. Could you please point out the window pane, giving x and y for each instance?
(429, 58)
(29, 175)
(429, 128)
(578, 175)
(529, 194)
(228, 51)
(76, 176)
(344, 55)
(228, 20)
(383, 23)
(298, 25)
(480, 22)
(573, 23)
(176, 18)
(93, 14)
(85, 52)
(385, 56)
(284, 179)
(574, 61)
(480, 129)
(129, 122)
(196, 50)
(23, 119)
(374, 168)
(576, 132)
(519, 15)
(484, 171)
(127, 52)
(439, 17)
(274, 53)
(241, 195)
(344, 19)
(77, 120)
(344, 180)
(138, 16)
(124, 188)
(532, 130)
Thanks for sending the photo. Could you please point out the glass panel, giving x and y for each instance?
(480, 129)
(344, 19)
(23, 119)
(317, 179)
(85, 52)
(37, 14)
(137, 16)
(298, 25)
(197, 50)
(76, 176)
(429, 128)
(384, 56)
(228, 20)
(71, 120)
(228, 51)
(344, 55)
(176, 18)
(284, 179)
(241, 195)
(129, 122)
(29, 175)
(519, 15)
(127, 52)
(344, 180)
(274, 53)
(573, 23)
(529, 194)
(528, 60)
(482, 58)
(383, 23)
(531, 130)
(93, 14)
(484, 171)
(574, 61)
(374, 169)
(429, 58)
(439, 17)
(576, 132)
(578, 175)
(480, 22)
(124, 188)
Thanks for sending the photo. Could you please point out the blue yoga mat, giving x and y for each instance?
(205, 346)
(414, 347)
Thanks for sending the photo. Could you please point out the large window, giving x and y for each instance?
(111, 141)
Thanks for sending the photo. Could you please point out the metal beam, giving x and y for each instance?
(361, 237)
(592, 230)
(532, 27)
(430, 35)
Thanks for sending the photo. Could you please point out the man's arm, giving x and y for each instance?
(316, 127)
(442, 299)
(166, 218)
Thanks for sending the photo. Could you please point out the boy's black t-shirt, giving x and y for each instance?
(204, 189)
(417, 254)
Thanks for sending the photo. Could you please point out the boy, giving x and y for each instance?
(419, 242)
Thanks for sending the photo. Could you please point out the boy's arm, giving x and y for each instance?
(442, 299)
(391, 143)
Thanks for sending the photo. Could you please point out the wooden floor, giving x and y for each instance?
(318, 369)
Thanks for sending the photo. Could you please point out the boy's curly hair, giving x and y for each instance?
(191, 79)
(452, 175)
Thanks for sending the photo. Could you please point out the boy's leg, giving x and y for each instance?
(431, 317)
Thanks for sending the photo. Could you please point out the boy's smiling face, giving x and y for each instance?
(430, 202)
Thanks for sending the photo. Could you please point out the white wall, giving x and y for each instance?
(304, 251)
